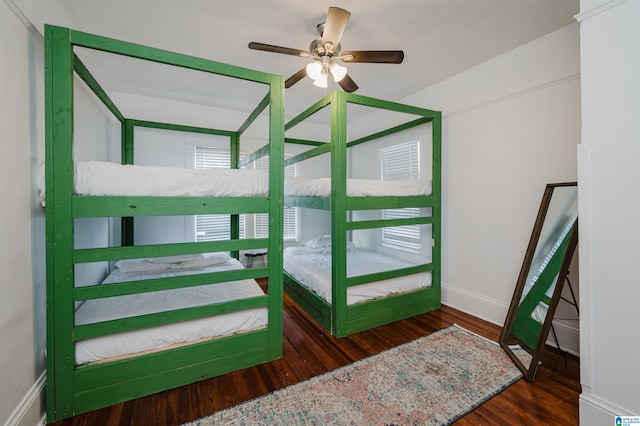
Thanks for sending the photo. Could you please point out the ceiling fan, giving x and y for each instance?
(326, 52)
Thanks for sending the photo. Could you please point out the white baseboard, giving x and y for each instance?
(31, 408)
(568, 336)
(595, 411)
(495, 311)
(475, 304)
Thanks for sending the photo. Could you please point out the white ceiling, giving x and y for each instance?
(440, 38)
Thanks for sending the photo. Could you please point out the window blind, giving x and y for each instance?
(261, 220)
(214, 227)
(401, 162)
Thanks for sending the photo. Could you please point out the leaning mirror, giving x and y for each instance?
(544, 270)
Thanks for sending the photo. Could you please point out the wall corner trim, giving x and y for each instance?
(598, 10)
(29, 406)
(22, 17)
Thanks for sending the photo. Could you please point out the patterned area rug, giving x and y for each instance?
(434, 380)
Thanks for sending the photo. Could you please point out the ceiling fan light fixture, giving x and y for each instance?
(337, 71)
(314, 70)
(325, 50)
(321, 81)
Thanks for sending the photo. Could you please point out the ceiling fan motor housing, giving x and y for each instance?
(318, 49)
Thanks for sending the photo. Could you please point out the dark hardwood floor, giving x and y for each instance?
(309, 350)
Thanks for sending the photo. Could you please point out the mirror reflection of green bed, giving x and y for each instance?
(542, 276)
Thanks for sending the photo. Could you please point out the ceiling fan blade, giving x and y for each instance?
(334, 26)
(278, 49)
(295, 78)
(374, 56)
(347, 84)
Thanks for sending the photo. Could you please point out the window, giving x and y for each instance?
(213, 227)
(401, 162)
(290, 213)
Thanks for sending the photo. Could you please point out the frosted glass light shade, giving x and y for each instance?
(338, 72)
(314, 70)
(321, 81)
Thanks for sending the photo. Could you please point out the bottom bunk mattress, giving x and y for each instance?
(161, 337)
(312, 268)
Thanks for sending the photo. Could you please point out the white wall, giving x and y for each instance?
(609, 235)
(22, 222)
(510, 126)
(22, 269)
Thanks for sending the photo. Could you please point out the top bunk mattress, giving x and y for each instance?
(321, 187)
(161, 337)
(106, 178)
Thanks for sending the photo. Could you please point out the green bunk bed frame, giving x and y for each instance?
(338, 317)
(73, 389)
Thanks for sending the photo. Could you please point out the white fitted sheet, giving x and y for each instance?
(106, 178)
(321, 187)
(133, 342)
(313, 269)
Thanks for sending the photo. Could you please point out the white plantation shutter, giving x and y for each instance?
(214, 227)
(401, 162)
(290, 213)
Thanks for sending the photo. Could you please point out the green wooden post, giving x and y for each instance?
(59, 222)
(234, 150)
(276, 214)
(127, 158)
(339, 210)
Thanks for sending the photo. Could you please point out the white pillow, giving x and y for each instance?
(128, 266)
(323, 243)
(208, 259)
(318, 242)
(176, 259)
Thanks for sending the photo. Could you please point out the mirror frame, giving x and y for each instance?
(507, 339)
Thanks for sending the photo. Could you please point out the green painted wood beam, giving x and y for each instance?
(276, 216)
(321, 203)
(112, 206)
(103, 384)
(134, 50)
(303, 142)
(181, 128)
(86, 76)
(265, 102)
(390, 131)
(126, 223)
(384, 223)
(319, 150)
(168, 283)
(322, 103)
(389, 105)
(377, 312)
(106, 328)
(376, 203)
(379, 276)
(59, 128)
(254, 156)
(174, 249)
(338, 208)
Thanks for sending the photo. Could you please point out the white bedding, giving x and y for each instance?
(155, 338)
(321, 187)
(313, 268)
(105, 178)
